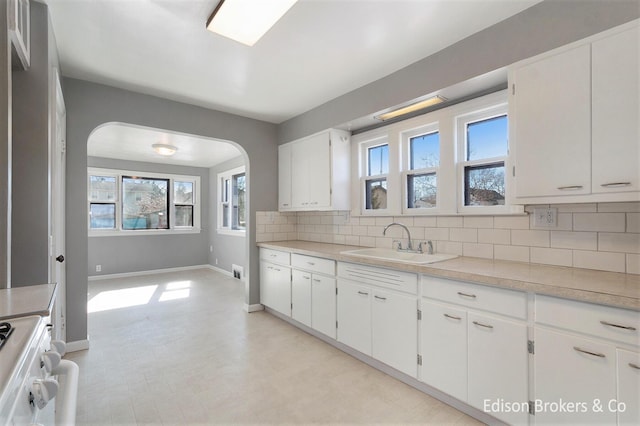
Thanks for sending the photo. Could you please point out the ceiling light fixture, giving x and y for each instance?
(434, 100)
(246, 21)
(164, 149)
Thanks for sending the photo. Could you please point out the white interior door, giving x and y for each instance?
(57, 238)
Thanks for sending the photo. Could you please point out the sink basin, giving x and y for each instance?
(398, 256)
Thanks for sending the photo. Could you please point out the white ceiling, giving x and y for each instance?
(318, 51)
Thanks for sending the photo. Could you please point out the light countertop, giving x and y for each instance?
(606, 288)
(25, 301)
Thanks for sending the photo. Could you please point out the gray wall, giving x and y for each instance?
(137, 253)
(90, 105)
(5, 150)
(227, 249)
(30, 168)
(542, 27)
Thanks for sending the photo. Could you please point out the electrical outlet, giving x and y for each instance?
(211, 249)
(98, 268)
(545, 217)
(216, 261)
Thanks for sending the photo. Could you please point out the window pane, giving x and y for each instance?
(376, 194)
(184, 216)
(183, 192)
(145, 203)
(487, 138)
(102, 216)
(421, 190)
(425, 151)
(484, 185)
(239, 197)
(225, 215)
(378, 160)
(102, 188)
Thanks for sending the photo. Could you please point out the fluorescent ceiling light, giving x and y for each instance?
(246, 21)
(164, 149)
(411, 108)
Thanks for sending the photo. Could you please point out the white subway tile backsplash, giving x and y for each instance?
(603, 261)
(576, 208)
(530, 238)
(565, 222)
(633, 263)
(551, 256)
(633, 222)
(600, 222)
(494, 236)
(478, 221)
(513, 253)
(477, 250)
(449, 247)
(436, 234)
(619, 207)
(574, 240)
(624, 243)
(449, 221)
(511, 222)
(429, 222)
(465, 235)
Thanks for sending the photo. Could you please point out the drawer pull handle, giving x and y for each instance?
(273, 255)
(452, 317)
(482, 325)
(636, 366)
(363, 293)
(316, 280)
(626, 327)
(306, 277)
(472, 296)
(310, 263)
(615, 184)
(570, 187)
(380, 298)
(599, 355)
(277, 269)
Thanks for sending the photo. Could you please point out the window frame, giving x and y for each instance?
(405, 137)
(119, 230)
(228, 203)
(461, 122)
(365, 177)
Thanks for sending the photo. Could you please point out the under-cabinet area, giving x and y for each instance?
(494, 351)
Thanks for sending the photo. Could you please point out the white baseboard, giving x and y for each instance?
(153, 271)
(222, 271)
(253, 308)
(78, 345)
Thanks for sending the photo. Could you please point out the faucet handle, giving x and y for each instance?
(397, 244)
(429, 247)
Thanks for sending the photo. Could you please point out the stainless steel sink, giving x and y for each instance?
(398, 256)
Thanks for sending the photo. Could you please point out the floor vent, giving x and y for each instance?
(238, 271)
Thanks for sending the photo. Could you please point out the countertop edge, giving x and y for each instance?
(333, 251)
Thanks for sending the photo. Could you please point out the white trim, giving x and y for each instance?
(253, 308)
(220, 202)
(77, 345)
(220, 270)
(149, 272)
(232, 232)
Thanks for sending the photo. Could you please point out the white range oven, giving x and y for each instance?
(36, 385)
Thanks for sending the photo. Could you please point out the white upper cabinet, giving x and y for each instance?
(574, 130)
(616, 113)
(314, 172)
(552, 113)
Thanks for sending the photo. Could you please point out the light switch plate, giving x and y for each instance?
(545, 217)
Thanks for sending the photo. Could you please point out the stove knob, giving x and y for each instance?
(50, 360)
(43, 391)
(59, 346)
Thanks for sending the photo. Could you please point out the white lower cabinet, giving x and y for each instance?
(301, 296)
(275, 287)
(628, 387)
(394, 324)
(354, 316)
(323, 305)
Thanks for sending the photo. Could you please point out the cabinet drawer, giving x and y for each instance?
(389, 278)
(605, 322)
(275, 256)
(314, 264)
(506, 302)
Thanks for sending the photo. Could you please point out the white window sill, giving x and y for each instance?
(231, 232)
(122, 233)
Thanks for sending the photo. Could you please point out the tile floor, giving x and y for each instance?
(185, 352)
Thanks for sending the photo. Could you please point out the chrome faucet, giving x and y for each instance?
(409, 243)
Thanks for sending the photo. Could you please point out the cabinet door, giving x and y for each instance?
(354, 316)
(323, 304)
(311, 172)
(443, 345)
(552, 125)
(284, 177)
(498, 365)
(301, 297)
(395, 330)
(616, 110)
(629, 387)
(573, 369)
(275, 287)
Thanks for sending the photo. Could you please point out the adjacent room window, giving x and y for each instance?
(485, 148)
(421, 177)
(123, 202)
(232, 204)
(375, 182)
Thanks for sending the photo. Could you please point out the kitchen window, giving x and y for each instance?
(375, 180)
(422, 149)
(132, 202)
(232, 202)
(484, 149)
